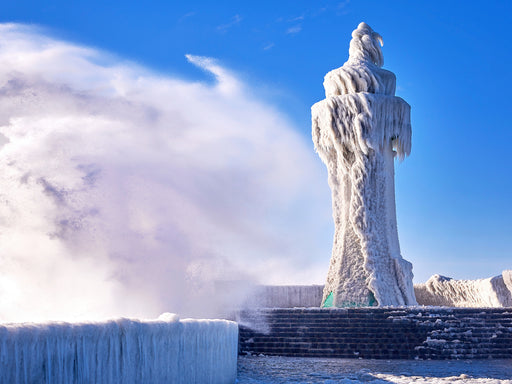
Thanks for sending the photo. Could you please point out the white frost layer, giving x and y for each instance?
(285, 296)
(357, 131)
(120, 351)
(444, 291)
(507, 279)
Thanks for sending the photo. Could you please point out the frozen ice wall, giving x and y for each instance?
(358, 130)
(441, 290)
(120, 351)
(284, 296)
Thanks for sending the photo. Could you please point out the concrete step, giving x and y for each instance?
(440, 333)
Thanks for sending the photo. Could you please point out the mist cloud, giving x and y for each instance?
(125, 192)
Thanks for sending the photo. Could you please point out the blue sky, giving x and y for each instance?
(452, 64)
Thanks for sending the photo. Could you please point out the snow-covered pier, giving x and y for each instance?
(125, 351)
(378, 333)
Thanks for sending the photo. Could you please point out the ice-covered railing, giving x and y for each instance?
(120, 351)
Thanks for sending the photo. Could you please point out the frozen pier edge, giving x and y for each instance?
(358, 130)
(125, 351)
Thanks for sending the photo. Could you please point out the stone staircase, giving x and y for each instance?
(378, 333)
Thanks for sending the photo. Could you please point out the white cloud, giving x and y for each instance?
(124, 192)
(235, 20)
(297, 18)
(186, 16)
(226, 82)
(343, 4)
(294, 30)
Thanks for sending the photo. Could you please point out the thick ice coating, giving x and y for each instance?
(445, 291)
(358, 130)
(167, 350)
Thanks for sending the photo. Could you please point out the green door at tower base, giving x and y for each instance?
(329, 302)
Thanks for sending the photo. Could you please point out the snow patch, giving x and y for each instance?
(169, 317)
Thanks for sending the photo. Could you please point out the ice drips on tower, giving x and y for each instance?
(358, 130)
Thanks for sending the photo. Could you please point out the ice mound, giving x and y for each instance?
(169, 317)
(445, 291)
(166, 350)
(507, 279)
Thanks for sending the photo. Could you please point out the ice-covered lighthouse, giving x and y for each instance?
(358, 130)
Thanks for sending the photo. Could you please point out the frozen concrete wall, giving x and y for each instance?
(380, 333)
(284, 296)
(120, 351)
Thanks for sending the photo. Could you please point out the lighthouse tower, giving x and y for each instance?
(358, 131)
